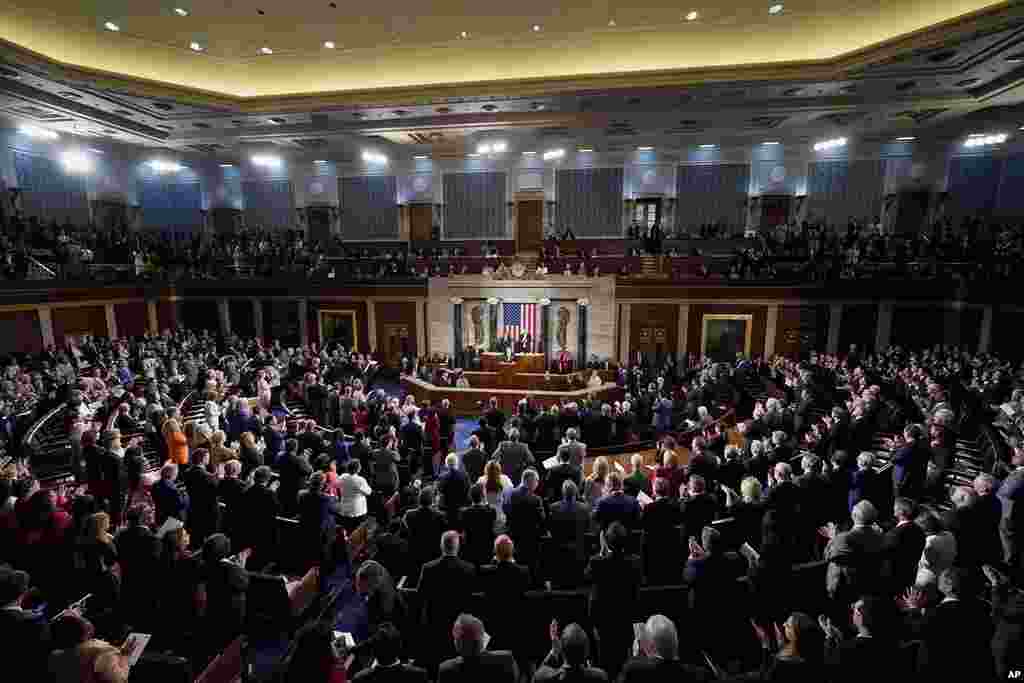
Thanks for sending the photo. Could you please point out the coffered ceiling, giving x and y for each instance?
(401, 74)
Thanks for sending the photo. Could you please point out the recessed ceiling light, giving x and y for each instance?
(906, 138)
(227, 165)
(529, 154)
(611, 23)
(320, 161)
(775, 9)
(536, 28)
(464, 34)
(473, 155)
(195, 47)
(266, 50)
(329, 44)
(692, 15)
(95, 151)
(645, 148)
(111, 26)
(421, 156)
(708, 146)
(181, 11)
(770, 142)
(585, 150)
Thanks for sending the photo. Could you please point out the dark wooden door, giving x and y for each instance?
(529, 225)
(319, 220)
(775, 210)
(421, 219)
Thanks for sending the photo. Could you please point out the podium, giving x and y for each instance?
(523, 362)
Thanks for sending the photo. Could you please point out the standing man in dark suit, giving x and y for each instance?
(505, 584)
(573, 446)
(514, 456)
(473, 664)
(616, 506)
(477, 524)
(26, 634)
(453, 486)
(1011, 527)
(425, 525)
(318, 519)
(562, 472)
(525, 516)
(698, 507)
(956, 635)
(294, 470)
(869, 655)
(204, 511)
(659, 661)
(615, 577)
(385, 468)
(446, 423)
(568, 522)
(910, 463)
(168, 499)
(474, 459)
(261, 509)
(445, 588)
(903, 545)
(855, 558)
(662, 551)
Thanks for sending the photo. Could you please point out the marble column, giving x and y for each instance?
(457, 348)
(224, 317)
(257, 317)
(883, 335)
(154, 326)
(985, 334)
(303, 322)
(371, 325)
(46, 326)
(111, 321)
(682, 332)
(835, 321)
(582, 353)
(625, 321)
(771, 330)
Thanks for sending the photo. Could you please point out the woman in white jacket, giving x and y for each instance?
(353, 492)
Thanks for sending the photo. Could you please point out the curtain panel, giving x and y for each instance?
(711, 193)
(972, 186)
(369, 207)
(269, 204)
(49, 193)
(170, 204)
(590, 201)
(474, 205)
(841, 190)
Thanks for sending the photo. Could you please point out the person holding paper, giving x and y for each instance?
(558, 472)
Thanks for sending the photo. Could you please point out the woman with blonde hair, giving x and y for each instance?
(94, 558)
(669, 468)
(177, 442)
(495, 483)
(594, 485)
(249, 453)
(219, 453)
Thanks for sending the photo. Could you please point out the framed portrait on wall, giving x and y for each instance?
(725, 337)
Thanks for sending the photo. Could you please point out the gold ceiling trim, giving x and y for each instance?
(844, 66)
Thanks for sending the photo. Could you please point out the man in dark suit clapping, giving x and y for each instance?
(903, 545)
(474, 664)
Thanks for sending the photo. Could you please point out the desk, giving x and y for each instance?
(522, 362)
(466, 401)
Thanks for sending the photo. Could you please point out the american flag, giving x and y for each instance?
(521, 318)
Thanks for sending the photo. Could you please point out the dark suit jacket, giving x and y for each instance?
(649, 670)
(401, 673)
(260, 509)
(903, 545)
(168, 501)
(454, 489)
(477, 523)
(568, 525)
(857, 660)
(956, 639)
(492, 667)
(504, 585)
(910, 466)
(473, 462)
(445, 588)
(524, 512)
(26, 640)
(855, 561)
(615, 589)
(547, 674)
(425, 527)
(617, 508)
(557, 476)
(698, 512)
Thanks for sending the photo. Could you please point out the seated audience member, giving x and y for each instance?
(615, 578)
(569, 659)
(387, 665)
(659, 656)
(616, 506)
(473, 663)
(478, 522)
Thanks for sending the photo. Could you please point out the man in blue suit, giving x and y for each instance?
(910, 463)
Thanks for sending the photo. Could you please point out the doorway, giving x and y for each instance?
(421, 217)
(647, 212)
(396, 344)
(775, 210)
(725, 337)
(529, 225)
(319, 220)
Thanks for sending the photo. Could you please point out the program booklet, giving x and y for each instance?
(134, 645)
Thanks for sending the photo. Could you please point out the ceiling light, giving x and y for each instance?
(645, 148)
(708, 146)
(161, 166)
(554, 154)
(529, 154)
(266, 50)
(320, 161)
(421, 156)
(181, 11)
(374, 158)
(906, 138)
(464, 34)
(227, 165)
(38, 133)
(536, 28)
(195, 47)
(978, 140)
(775, 9)
(111, 26)
(95, 151)
(611, 23)
(329, 44)
(483, 149)
(829, 144)
(692, 15)
(585, 150)
(75, 161)
(266, 160)
(771, 142)
(473, 156)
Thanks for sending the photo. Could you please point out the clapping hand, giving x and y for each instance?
(912, 599)
(828, 531)
(696, 551)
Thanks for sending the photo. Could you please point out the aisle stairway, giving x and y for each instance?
(651, 268)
